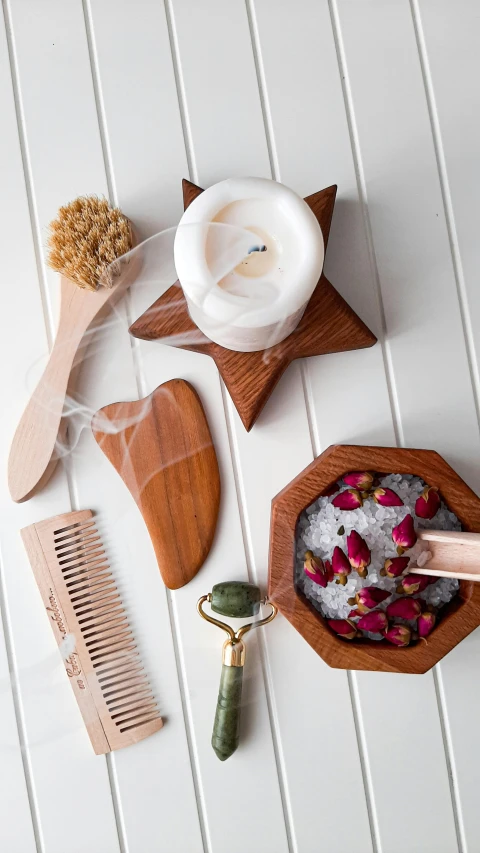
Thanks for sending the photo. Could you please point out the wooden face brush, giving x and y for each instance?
(236, 599)
(85, 240)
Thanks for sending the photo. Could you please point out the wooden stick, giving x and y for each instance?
(454, 554)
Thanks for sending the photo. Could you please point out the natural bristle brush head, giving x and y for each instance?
(86, 237)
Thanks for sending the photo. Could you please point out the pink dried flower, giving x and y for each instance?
(404, 608)
(361, 480)
(348, 499)
(413, 583)
(395, 566)
(340, 565)
(376, 621)
(368, 597)
(328, 570)
(399, 635)
(426, 623)
(428, 504)
(343, 627)
(358, 553)
(313, 567)
(386, 497)
(404, 534)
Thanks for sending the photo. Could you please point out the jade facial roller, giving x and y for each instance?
(236, 599)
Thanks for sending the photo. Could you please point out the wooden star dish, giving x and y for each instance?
(328, 325)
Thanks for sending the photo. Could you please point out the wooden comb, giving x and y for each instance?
(162, 448)
(81, 599)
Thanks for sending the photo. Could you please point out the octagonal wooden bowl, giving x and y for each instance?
(459, 617)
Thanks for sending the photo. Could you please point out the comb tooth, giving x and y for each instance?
(127, 660)
(112, 631)
(75, 535)
(88, 553)
(79, 525)
(98, 615)
(118, 689)
(77, 582)
(93, 589)
(76, 546)
(140, 722)
(111, 680)
(132, 705)
(100, 623)
(143, 693)
(83, 564)
(101, 656)
(130, 713)
(96, 631)
(114, 657)
(101, 644)
(92, 604)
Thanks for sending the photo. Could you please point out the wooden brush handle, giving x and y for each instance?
(30, 463)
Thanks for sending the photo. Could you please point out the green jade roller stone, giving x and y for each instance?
(236, 599)
(226, 727)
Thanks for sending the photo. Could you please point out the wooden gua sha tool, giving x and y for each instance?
(162, 448)
(328, 325)
(236, 599)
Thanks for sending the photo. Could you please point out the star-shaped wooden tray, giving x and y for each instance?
(328, 325)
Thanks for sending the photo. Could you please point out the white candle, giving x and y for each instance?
(262, 299)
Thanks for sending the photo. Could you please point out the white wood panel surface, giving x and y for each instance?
(126, 98)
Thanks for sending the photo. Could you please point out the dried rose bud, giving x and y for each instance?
(404, 608)
(428, 504)
(376, 621)
(426, 623)
(313, 567)
(343, 627)
(340, 565)
(348, 499)
(328, 570)
(386, 497)
(399, 635)
(413, 583)
(330, 490)
(395, 566)
(361, 480)
(358, 553)
(368, 597)
(404, 534)
(354, 614)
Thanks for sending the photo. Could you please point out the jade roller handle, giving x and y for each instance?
(226, 726)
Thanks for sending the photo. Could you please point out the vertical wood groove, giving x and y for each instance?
(141, 389)
(364, 762)
(450, 760)
(447, 206)
(363, 197)
(181, 95)
(262, 647)
(27, 172)
(19, 714)
(472, 365)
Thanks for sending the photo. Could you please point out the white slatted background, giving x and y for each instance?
(126, 97)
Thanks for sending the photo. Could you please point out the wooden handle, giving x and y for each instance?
(226, 728)
(455, 554)
(30, 463)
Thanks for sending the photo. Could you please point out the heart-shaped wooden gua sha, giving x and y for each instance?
(162, 448)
